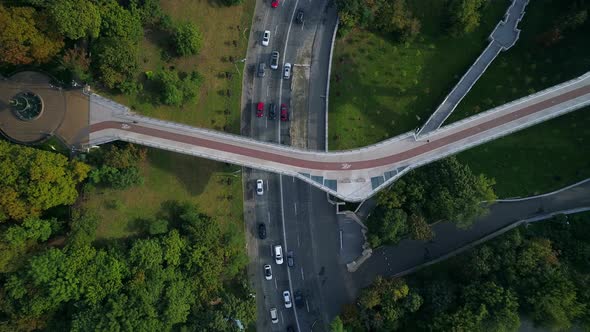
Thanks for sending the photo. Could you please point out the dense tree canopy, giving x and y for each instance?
(185, 277)
(75, 19)
(116, 61)
(524, 271)
(445, 190)
(175, 91)
(25, 37)
(465, 15)
(32, 180)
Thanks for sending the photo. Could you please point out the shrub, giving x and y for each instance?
(187, 39)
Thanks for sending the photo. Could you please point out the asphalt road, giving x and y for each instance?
(284, 212)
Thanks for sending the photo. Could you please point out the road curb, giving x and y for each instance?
(329, 73)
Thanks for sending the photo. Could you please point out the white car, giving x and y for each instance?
(287, 298)
(265, 38)
(259, 187)
(274, 317)
(278, 252)
(287, 71)
(267, 272)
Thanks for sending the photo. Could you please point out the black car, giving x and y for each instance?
(290, 329)
(299, 17)
(261, 68)
(290, 259)
(272, 111)
(262, 231)
(299, 300)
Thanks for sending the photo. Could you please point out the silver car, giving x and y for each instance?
(287, 71)
(274, 60)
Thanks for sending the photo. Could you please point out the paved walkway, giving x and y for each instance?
(352, 175)
(503, 37)
(409, 254)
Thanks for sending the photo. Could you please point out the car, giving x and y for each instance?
(261, 69)
(287, 298)
(274, 3)
(259, 186)
(287, 71)
(272, 111)
(278, 252)
(290, 259)
(262, 231)
(299, 300)
(274, 317)
(259, 113)
(267, 272)
(284, 113)
(290, 328)
(274, 60)
(266, 38)
(299, 17)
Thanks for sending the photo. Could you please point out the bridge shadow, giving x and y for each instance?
(192, 172)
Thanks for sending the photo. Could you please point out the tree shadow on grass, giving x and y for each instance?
(192, 172)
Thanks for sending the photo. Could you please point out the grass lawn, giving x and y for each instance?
(171, 176)
(380, 88)
(546, 156)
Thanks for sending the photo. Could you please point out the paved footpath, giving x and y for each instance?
(392, 260)
(351, 175)
(503, 37)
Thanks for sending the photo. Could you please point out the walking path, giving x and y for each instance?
(504, 215)
(352, 175)
(503, 37)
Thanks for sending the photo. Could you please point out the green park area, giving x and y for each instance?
(382, 86)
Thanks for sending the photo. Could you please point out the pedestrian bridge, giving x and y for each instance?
(352, 175)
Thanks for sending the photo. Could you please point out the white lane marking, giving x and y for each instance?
(269, 219)
(340, 239)
(298, 241)
(302, 25)
(302, 276)
(281, 89)
(268, 90)
(293, 179)
(307, 303)
(276, 286)
(266, 123)
(276, 29)
(282, 319)
(295, 206)
(267, 185)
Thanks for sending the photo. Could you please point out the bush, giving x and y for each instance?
(187, 39)
(175, 91)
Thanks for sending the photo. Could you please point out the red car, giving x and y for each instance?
(260, 110)
(284, 113)
(274, 3)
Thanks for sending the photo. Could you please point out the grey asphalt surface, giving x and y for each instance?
(296, 195)
(392, 260)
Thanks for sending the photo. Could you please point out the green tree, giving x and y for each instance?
(25, 37)
(116, 62)
(386, 227)
(336, 325)
(76, 19)
(32, 180)
(175, 91)
(187, 39)
(419, 228)
(118, 22)
(465, 15)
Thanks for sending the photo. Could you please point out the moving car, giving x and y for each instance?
(284, 113)
(267, 272)
(262, 231)
(274, 3)
(261, 68)
(299, 301)
(259, 114)
(259, 186)
(272, 111)
(287, 298)
(278, 252)
(266, 38)
(274, 60)
(287, 71)
(274, 317)
(290, 259)
(299, 17)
